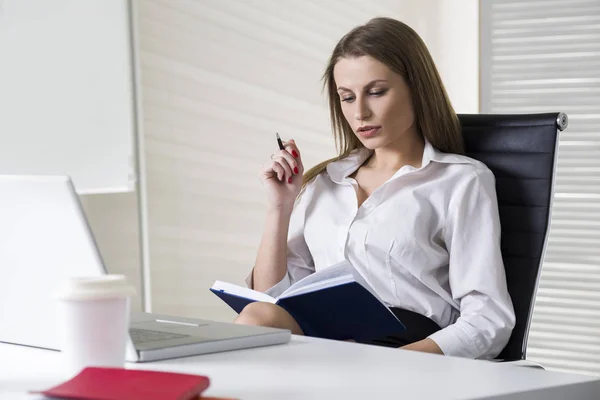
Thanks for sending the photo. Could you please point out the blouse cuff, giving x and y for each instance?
(453, 341)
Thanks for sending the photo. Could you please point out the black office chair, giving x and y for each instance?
(521, 151)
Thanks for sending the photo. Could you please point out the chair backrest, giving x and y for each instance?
(521, 151)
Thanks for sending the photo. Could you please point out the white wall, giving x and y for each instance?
(450, 30)
(66, 92)
(456, 52)
(66, 107)
(218, 78)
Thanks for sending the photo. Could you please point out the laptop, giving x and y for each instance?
(44, 239)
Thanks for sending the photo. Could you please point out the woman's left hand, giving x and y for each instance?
(426, 346)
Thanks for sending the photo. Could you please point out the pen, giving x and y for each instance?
(279, 142)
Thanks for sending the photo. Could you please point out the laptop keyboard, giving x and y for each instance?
(140, 336)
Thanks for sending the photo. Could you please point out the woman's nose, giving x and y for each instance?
(362, 111)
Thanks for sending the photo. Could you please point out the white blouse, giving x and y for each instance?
(427, 240)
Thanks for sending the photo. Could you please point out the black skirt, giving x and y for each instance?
(418, 327)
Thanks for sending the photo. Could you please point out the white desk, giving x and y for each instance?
(309, 368)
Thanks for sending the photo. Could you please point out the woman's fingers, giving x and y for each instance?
(296, 161)
(285, 163)
(281, 160)
(278, 170)
(293, 150)
(291, 161)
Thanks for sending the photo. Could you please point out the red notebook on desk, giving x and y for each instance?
(125, 384)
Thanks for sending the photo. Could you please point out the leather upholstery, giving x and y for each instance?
(520, 150)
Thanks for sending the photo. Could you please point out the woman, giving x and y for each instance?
(418, 219)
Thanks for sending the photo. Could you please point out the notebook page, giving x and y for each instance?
(335, 275)
(242, 291)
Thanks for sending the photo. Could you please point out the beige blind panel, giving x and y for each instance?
(544, 56)
(216, 87)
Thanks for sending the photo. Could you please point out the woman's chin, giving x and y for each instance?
(373, 142)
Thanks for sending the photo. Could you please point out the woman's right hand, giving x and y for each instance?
(282, 177)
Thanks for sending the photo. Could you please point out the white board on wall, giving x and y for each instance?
(67, 92)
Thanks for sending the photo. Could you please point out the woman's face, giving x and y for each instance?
(376, 101)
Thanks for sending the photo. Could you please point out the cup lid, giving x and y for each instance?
(94, 287)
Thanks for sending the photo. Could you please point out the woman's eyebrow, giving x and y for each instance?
(368, 85)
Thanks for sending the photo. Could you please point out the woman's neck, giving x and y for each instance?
(405, 151)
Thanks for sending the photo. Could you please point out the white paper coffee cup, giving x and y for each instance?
(94, 321)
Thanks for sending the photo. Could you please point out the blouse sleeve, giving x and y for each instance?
(477, 275)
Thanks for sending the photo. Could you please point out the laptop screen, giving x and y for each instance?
(44, 239)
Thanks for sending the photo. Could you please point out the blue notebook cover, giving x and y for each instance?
(345, 311)
(236, 302)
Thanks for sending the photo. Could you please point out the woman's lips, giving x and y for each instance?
(370, 132)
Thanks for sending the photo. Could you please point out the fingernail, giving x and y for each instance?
(295, 170)
(294, 153)
(289, 180)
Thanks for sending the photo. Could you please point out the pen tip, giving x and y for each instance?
(277, 135)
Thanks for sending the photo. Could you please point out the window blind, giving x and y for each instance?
(544, 56)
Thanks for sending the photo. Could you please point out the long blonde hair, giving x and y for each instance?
(400, 48)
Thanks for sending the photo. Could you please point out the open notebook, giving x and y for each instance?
(333, 303)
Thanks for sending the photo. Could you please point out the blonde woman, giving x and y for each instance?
(401, 202)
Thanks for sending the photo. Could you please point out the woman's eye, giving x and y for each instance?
(347, 99)
(377, 92)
